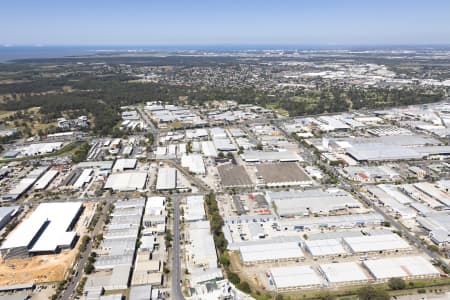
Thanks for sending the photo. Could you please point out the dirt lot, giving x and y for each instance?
(43, 268)
(39, 269)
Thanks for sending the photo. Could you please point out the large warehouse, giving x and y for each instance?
(343, 273)
(272, 156)
(376, 243)
(270, 252)
(298, 203)
(127, 181)
(294, 278)
(47, 230)
(6, 214)
(325, 247)
(167, 179)
(406, 267)
(282, 174)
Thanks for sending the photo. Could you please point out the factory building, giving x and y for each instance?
(48, 229)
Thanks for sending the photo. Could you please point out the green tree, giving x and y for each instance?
(396, 283)
(370, 293)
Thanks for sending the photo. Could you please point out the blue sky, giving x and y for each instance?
(170, 22)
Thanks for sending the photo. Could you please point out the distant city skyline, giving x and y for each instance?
(251, 22)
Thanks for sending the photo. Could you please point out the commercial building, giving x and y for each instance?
(233, 176)
(123, 164)
(47, 230)
(325, 247)
(273, 156)
(201, 248)
(282, 174)
(315, 201)
(127, 181)
(344, 273)
(194, 163)
(406, 267)
(167, 179)
(6, 214)
(45, 180)
(25, 184)
(270, 252)
(195, 209)
(294, 277)
(390, 242)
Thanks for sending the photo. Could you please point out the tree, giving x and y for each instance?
(370, 293)
(396, 283)
(224, 260)
(233, 278)
(245, 287)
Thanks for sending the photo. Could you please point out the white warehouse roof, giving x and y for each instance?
(195, 210)
(294, 276)
(343, 272)
(129, 181)
(371, 243)
(282, 156)
(194, 162)
(167, 179)
(59, 216)
(325, 247)
(45, 180)
(271, 252)
(405, 267)
(124, 164)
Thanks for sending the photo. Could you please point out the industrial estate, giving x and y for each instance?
(222, 199)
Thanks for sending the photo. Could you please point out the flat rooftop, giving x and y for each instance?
(343, 272)
(294, 276)
(127, 181)
(288, 172)
(46, 228)
(404, 267)
(234, 176)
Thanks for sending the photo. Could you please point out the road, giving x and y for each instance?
(68, 292)
(200, 184)
(176, 255)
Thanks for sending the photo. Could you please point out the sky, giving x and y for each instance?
(191, 22)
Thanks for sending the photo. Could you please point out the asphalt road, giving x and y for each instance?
(68, 292)
(176, 263)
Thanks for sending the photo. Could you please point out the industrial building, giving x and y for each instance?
(315, 201)
(127, 181)
(294, 277)
(341, 221)
(194, 163)
(201, 248)
(195, 209)
(273, 156)
(325, 247)
(6, 214)
(344, 273)
(406, 267)
(379, 243)
(45, 180)
(123, 164)
(270, 252)
(47, 230)
(167, 179)
(282, 174)
(25, 184)
(233, 176)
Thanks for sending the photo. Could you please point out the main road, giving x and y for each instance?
(176, 259)
(74, 280)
